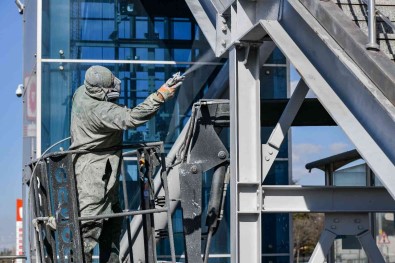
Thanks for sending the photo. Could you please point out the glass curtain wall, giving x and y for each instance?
(143, 36)
(143, 43)
(275, 227)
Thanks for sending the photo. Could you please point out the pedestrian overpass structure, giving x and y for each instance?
(344, 52)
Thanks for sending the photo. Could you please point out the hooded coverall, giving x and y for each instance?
(99, 124)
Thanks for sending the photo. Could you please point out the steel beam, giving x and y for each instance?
(203, 21)
(210, 8)
(298, 199)
(272, 147)
(245, 155)
(347, 106)
(351, 224)
(311, 113)
(216, 90)
(322, 248)
(351, 38)
(370, 247)
(222, 5)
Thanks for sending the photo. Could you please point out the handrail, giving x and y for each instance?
(372, 45)
(126, 212)
(382, 16)
(110, 215)
(13, 257)
(372, 12)
(84, 151)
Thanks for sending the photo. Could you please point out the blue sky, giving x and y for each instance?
(313, 143)
(10, 119)
(309, 143)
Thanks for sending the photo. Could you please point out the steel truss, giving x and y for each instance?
(347, 79)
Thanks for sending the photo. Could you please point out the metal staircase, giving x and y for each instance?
(356, 86)
(357, 11)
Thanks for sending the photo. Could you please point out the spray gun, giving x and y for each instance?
(175, 79)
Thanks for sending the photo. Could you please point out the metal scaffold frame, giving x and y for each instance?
(54, 210)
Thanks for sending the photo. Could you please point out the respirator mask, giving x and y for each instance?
(114, 92)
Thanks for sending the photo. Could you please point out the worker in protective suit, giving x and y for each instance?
(98, 123)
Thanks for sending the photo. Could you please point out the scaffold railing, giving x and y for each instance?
(53, 202)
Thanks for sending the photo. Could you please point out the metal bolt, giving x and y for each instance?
(336, 220)
(271, 152)
(222, 155)
(194, 169)
(267, 158)
(61, 68)
(61, 52)
(360, 227)
(333, 226)
(224, 28)
(357, 220)
(223, 42)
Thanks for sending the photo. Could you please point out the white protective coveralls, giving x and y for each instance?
(99, 124)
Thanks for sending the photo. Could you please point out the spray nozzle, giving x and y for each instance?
(176, 78)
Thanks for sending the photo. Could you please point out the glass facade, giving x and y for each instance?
(274, 85)
(143, 43)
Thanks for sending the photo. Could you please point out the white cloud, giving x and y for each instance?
(305, 149)
(338, 147)
(302, 154)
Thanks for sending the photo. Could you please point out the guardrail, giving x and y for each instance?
(372, 29)
(52, 184)
(13, 257)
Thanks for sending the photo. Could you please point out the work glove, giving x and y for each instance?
(168, 89)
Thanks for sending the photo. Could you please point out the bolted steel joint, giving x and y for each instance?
(194, 169)
(221, 155)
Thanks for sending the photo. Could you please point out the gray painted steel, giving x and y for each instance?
(357, 12)
(354, 85)
(245, 152)
(375, 64)
(203, 20)
(322, 248)
(217, 90)
(295, 199)
(370, 247)
(377, 159)
(271, 148)
(350, 98)
(351, 224)
(191, 196)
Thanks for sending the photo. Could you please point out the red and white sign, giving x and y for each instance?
(30, 107)
(19, 229)
(31, 99)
